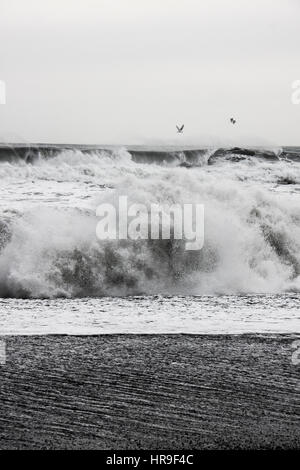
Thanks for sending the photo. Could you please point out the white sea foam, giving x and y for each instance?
(49, 244)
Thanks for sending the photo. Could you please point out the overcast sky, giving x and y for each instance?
(127, 71)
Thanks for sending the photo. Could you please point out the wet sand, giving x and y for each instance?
(149, 392)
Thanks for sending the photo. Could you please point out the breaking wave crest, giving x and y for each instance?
(252, 235)
(160, 155)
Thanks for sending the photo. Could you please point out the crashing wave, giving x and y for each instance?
(252, 243)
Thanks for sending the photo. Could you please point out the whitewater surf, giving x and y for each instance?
(48, 222)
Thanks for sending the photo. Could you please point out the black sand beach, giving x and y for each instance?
(149, 392)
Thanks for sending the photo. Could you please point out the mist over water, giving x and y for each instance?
(48, 242)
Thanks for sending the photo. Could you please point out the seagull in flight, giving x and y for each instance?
(180, 129)
(233, 121)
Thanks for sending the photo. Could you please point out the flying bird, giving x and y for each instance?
(180, 129)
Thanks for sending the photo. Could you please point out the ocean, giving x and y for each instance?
(141, 344)
(56, 276)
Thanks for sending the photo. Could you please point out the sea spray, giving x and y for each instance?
(49, 246)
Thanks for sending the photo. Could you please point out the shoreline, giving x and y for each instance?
(175, 391)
